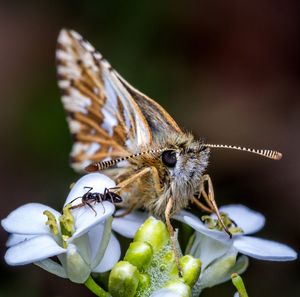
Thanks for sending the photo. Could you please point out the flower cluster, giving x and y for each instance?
(83, 241)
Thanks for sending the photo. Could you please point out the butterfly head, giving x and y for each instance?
(183, 161)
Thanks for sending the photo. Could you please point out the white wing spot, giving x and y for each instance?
(88, 46)
(93, 148)
(73, 72)
(109, 122)
(76, 35)
(63, 38)
(63, 55)
(64, 84)
(97, 56)
(74, 125)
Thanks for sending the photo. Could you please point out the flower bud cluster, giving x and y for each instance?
(149, 268)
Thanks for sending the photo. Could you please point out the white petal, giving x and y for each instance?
(236, 294)
(128, 225)
(77, 269)
(166, 293)
(111, 256)
(208, 249)
(14, 239)
(264, 249)
(219, 271)
(97, 181)
(249, 220)
(33, 250)
(196, 224)
(52, 267)
(28, 219)
(86, 218)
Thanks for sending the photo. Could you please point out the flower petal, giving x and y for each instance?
(14, 239)
(207, 249)
(52, 267)
(128, 225)
(197, 225)
(111, 256)
(264, 249)
(166, 293)
(28, 219)
(219, 271)
(77, 269)
(86, 218)
(33, 250)
(247, 219)
(97, 181)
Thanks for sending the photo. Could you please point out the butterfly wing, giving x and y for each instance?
(104, 119)
(159, 121)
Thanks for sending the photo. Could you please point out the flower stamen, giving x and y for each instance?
(51, 222)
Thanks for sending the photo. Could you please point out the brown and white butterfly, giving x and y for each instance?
(129, 136)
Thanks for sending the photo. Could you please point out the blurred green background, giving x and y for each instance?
(227, 70)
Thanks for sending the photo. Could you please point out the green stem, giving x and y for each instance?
(95, 288)
(239, 284)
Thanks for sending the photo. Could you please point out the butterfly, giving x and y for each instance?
(130, 137)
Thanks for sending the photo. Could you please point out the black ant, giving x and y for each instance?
(96, 197)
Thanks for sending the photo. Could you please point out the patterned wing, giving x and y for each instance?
(159, 121)
(104, 119)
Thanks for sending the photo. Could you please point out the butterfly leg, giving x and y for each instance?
(210, 199)
(171, 233)
(156, 183)
(125, 183)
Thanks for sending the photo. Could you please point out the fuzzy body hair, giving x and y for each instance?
(180, 182)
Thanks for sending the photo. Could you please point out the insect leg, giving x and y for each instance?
(125, 183)
(171, 233)
(201, 205)
(131, 179)
(211, 198)
(74, 200)
(77, 205)
(90, 189)
(127, 211)
(89, 205)
(156, 180)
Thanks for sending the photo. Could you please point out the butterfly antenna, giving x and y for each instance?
(274, 155)
(98, 166)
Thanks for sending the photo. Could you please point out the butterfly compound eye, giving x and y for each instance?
(169, 158)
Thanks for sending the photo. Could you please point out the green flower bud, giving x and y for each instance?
(168, 263)
(139, 254)
(191, 269)
(154, 232)
(145, 282)
(123, 280)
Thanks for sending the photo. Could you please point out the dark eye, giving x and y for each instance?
(169, 158)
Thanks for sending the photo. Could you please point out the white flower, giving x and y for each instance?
(250, 222)
(129, 224)
(218, 252)
(90, 247)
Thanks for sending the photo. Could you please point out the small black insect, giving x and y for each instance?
(94, 197)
